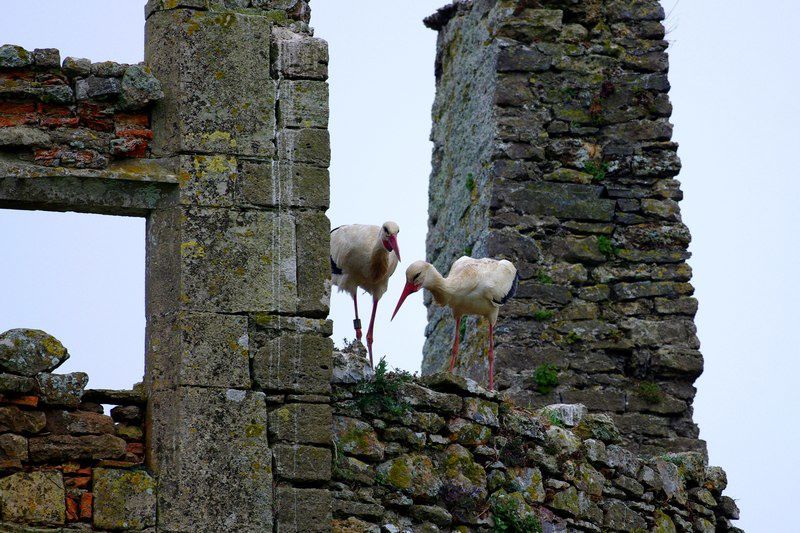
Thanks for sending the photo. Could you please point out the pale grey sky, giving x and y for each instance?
(734, 78)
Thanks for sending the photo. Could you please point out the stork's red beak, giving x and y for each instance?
(394, 245)
(408, 289)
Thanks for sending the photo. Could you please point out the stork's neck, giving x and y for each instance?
(437, 284)
(379, 247)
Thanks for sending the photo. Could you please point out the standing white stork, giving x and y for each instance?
(473, 287)
(361, 256)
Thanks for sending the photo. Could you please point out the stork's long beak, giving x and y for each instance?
(408, 289)
(394, 245)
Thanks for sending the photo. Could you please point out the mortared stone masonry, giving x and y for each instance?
(552, 147)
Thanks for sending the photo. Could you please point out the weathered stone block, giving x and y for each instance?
(207, 180)
(211, 66)
(62, 389)
(303, 510)
(578, 249)
(417, 396)
(282, 183)
(677, 332)
(13, 447)
(33, 498)
(64, 448)
(303, 104)
(481, 411)
(528, 25)
(235, 261)
(523, 58)
(302, 463)
(97, 88)
(16, 420)
(563, 200)
(413, 474)
(47, 57)
(578, 504)
(312, 146)
(215, 441)
(598, 399)
(299, 56)
(16, 384)
(139, 88)
(620, 517)
(123, 499)
(301, 423)
(13, 56)
(297, 363)
(30, 351)
(357, 438)
(199, 349)
(78, 423)
(313, 264)
(635, 10)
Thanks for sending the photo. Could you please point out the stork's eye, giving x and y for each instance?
(385, 229)
(417, 276)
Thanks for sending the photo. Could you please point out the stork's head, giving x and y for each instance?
(416, 274)
(389, 232)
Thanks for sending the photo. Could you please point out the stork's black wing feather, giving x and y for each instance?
(511, 292)
(335, 268)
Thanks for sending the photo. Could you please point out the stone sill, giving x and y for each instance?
(140, 170)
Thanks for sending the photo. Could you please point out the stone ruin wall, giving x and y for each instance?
(552, 149)
(76, 114)
(443, 454)
(550, 134)
(233, 182)
(62, 461)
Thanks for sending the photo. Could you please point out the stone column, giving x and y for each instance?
(237, 291)
(553, 149)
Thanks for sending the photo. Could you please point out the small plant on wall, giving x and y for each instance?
(546, 377)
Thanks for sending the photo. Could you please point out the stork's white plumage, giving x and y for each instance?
(364, 256)
(472, 287)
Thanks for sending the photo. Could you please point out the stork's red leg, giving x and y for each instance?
(357, 321)
(369, 330)
(491, 357)
(455, 345)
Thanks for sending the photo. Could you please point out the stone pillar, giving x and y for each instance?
(238, 354)
(553, 149)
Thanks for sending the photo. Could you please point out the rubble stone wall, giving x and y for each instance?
(63, 462)
(553, 149)
(74, 114)
(443, 454)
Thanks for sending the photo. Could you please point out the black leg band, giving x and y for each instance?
(357, 323)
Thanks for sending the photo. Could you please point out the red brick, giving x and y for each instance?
(70, 468)
(140, 133)
(21, 75)
(86, 505)
(73, 514)
(17, 108)
(94, 116)
(136, 448)
(142, 120)
(68, 122)
(80, 482)
(16, 120)
(24, 401)
(48, 158)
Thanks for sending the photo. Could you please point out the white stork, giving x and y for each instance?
(473, 287)
(362, 256)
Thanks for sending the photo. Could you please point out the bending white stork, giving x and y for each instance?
(361, 256)
(473, 287)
